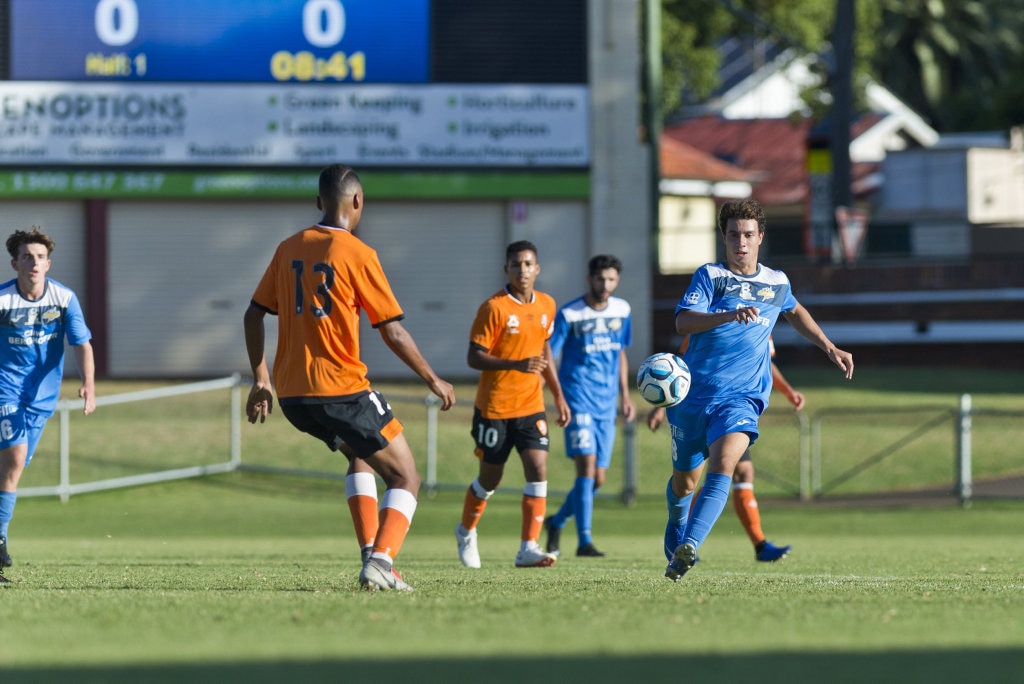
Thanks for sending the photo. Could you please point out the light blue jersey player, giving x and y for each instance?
(37, 315)
(728, 311)
(590, 339)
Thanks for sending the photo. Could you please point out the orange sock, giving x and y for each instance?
(361, 490)
(534, 509)
(746, 509)
(472, 508)
(396, 511)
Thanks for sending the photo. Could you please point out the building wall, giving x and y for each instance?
(181, 271)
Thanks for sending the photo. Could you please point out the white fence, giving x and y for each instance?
(810, 459)
(65, 488)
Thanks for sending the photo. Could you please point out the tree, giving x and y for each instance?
(694, 30)
(951, 60)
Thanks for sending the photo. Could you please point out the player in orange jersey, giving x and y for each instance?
(743, 500)
(316, 284)
(508, 343)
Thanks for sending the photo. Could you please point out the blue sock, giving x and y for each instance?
(678, 510)
(582, 496)
(709, 506)
(565, 512)
(7, 500)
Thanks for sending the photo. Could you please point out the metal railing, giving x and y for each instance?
(811, 449)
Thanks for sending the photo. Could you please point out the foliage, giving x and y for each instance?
(693, 31)
(950, 59)
(954, 62)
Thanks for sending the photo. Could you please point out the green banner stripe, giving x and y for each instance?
(289, 185)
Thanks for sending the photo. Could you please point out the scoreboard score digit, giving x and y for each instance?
(355, 41)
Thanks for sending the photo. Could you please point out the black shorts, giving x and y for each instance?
(364, 421)
(495, 437)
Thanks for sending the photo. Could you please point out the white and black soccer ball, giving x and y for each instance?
(663, 379)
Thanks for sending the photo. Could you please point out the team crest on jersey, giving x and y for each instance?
(513, 324)
(32, 315)
(745, 291)
(766, 294)
(544, 320)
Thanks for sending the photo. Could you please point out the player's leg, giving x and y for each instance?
(366, 424)
(361, 495)
(743, 500)
(492, 448)
(20, 432)
(688, 458)
(591, 470)
(749, 514)
(396, 466)
(579, 442)
(12, 463)
(534, 506)
(724, 452)
(582, 497)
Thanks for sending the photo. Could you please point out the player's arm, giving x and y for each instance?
(401, 343)
(87, 370)
(780, 383)
(689, 322)
(479, 359)
(261, 396)
(655, 418)
(551, 378)
(804, 324)
(628, 409)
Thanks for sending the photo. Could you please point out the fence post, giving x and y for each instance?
(236, 421)
(433, 407)
(805, 455)
(963, 474)
(815, 439)
(629, 477)
(64, 488)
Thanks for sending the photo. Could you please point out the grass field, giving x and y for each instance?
(252, 577)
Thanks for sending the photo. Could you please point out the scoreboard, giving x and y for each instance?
(305, 41)
(293, 83)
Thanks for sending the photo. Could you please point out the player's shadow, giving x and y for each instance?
(935, 667)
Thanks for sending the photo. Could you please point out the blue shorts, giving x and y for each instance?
(696, 427)
(18, 426)
(585, 435)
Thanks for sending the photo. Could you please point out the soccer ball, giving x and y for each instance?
(663, 379)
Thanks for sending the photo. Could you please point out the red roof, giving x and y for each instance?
(772, 152)
(681, 160)
(773, 149)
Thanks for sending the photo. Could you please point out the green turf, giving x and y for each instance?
(250, 577)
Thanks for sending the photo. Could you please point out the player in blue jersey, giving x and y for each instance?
(37, 314)
(743, 500)
(728, 311)
(591, 335)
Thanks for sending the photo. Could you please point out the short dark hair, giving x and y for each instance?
(27, 237)
(740, 210)
(603, 261)
(520, 246)
(338, 180)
